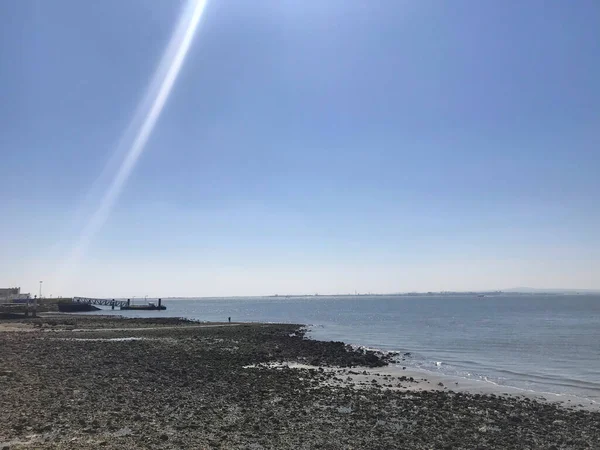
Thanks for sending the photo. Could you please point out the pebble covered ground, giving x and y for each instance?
(150, 383)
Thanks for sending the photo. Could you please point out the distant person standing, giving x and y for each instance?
(229, 318)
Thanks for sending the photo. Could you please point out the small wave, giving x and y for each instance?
(542, 393)
(432, 368)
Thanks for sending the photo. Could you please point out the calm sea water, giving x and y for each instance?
(538, 343)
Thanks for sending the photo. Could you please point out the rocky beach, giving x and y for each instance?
(106, 382)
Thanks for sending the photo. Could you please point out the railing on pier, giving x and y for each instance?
(100, 301)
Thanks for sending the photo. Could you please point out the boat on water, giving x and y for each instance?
(148, 307)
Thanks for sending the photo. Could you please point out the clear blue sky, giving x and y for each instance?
(307, 146)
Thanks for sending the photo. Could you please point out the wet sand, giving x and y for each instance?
(150, 383)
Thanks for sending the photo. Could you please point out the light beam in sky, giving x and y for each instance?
(141, 125)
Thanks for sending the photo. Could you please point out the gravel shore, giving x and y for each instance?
(100, 382)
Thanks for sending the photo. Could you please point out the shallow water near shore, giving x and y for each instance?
(544, 344)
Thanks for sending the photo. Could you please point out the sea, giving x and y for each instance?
(535, 343)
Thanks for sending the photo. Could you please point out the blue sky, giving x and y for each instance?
(305, 147)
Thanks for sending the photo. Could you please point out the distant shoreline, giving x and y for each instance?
(409, 294)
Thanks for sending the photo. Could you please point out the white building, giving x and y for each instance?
(9, 294)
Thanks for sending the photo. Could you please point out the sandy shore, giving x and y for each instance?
(105, 382)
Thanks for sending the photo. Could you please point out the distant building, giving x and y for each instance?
(9, 294)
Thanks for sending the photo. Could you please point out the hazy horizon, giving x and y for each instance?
(235, 148)
(517, 290)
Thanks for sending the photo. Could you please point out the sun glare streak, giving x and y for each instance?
(142, 124)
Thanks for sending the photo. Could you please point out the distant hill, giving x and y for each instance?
(529, 290)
